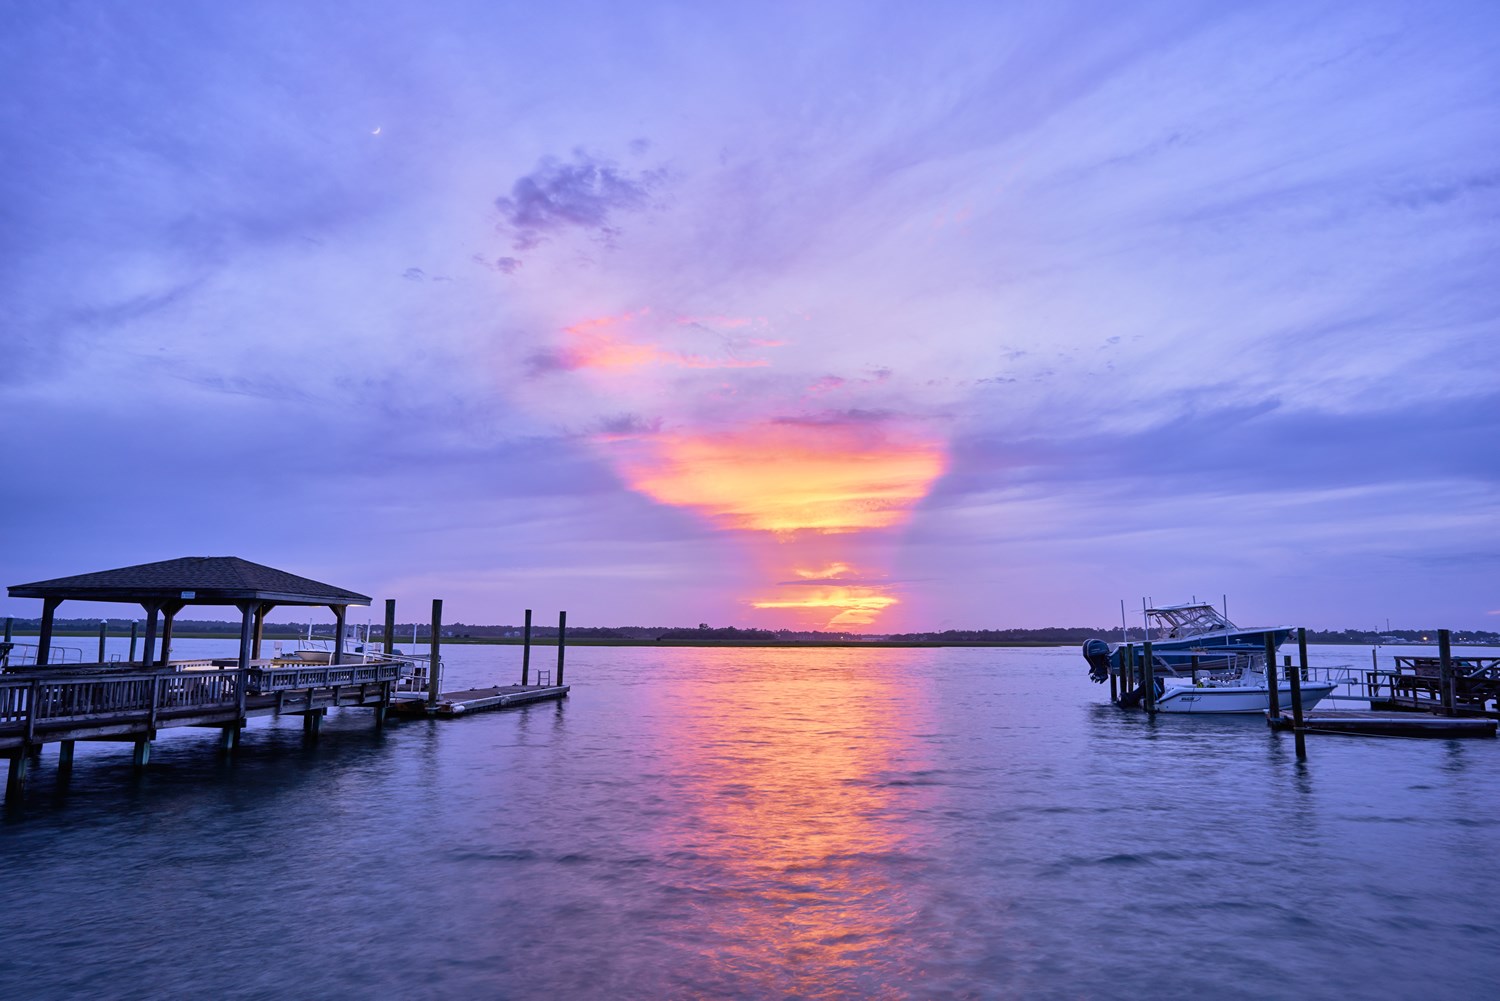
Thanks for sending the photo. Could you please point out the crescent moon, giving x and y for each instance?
(376, 132)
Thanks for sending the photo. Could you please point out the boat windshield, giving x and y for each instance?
(1181, 621)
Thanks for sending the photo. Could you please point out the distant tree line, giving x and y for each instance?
(1050, 635)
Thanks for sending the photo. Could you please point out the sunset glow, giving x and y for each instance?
(836, 607)
(789, 478)
(615, 343)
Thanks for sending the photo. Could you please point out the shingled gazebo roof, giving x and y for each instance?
(193, 580)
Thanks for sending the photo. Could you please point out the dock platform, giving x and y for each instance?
(475, 700)
(1387, 724)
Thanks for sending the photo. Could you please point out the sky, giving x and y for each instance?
(877, 317)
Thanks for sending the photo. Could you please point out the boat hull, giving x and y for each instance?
(1236, 699)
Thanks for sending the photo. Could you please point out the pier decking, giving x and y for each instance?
(1385, 724)
(476, 700)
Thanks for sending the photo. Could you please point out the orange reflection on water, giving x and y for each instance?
(798, 788)
(786, 478)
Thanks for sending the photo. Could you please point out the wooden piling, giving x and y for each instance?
(433, 681)
(142, 755)
(562, 629)
(1273, 697)
(1296, 679)
(133, 628)
(8, 623)
(1127, 669)
(1446, 683)
(15, 779)
(103, 631)
(1148, 678)
(526, 650)
(65, 755)
(390, 627)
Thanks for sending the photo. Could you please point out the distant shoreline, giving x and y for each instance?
(580, 641)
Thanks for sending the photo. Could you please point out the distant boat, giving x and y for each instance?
(1203, 663)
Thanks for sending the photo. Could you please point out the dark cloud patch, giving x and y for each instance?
(628, 424)
(1263, 447)
(413, 274)
(504, 265)
(837, 418)
(584, 193)
(1436, 194)
(550, 360)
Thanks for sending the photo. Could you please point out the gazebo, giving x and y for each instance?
(167, 587)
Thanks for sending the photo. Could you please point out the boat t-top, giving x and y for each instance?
(1202, 663)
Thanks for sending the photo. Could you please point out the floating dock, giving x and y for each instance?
(1386, 724)
(476, 700)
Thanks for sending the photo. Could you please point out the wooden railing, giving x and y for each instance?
(289, 677)
(39, 700)
(26, 703)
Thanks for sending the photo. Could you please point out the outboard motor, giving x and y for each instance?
(1096, 652)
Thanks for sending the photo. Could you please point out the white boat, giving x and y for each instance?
(1202, 663)
(1247, 693)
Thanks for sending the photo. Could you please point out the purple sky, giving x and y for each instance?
(885, 317)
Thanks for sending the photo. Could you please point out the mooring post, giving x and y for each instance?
(562, 639)
(383, 706)
(433, 682)
(142, 756)
(1295, 677)
(15, 780)
(1445, 674)
(390, 627)
(133, 628)
(103, 631)
(1127, 669)
(1273, 697)
(526, 650)
(1114, 695)
(1148, 677)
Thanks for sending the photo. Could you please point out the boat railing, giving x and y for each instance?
(418, 673)
(24, 654)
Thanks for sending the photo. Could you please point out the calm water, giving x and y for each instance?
(750, 824)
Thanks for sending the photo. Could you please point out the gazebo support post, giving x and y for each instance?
(148, 656)
(44, 641)
(168, 614)
(260, 628)
(339, 613)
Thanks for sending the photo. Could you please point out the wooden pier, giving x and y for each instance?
(476, 700)
(1384, 724)
(43, 703)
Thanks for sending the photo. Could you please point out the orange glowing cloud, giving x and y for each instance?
(602, 343)
(787, 478)
(851, 606)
